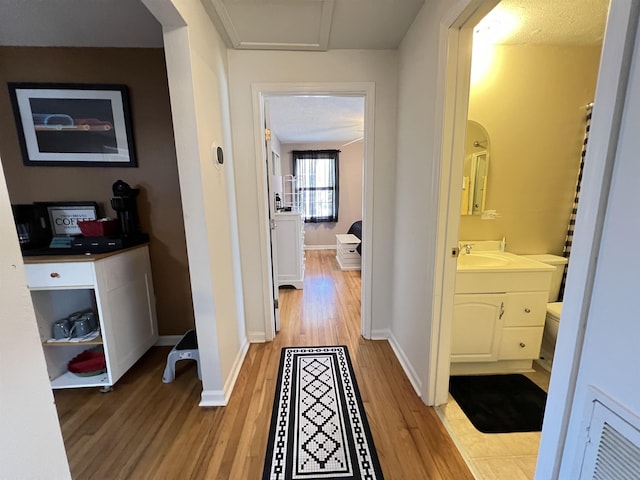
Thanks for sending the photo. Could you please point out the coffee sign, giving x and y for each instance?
(64, 219)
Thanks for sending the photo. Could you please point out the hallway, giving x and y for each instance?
(147, 429)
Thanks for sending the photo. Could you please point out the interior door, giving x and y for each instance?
(272, 219)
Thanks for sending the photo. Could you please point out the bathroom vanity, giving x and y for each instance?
(499, 312)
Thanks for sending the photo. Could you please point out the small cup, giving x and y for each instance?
(81, 327)
(61, 329)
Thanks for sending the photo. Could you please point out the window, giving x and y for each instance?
(317, 174)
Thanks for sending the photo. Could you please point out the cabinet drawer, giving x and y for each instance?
(60, 275)
(526, 309)
(520, 343)
(349, 254)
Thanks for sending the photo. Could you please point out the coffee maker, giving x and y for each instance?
(125, 203)
(32, 226)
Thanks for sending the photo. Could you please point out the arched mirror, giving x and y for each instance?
(476, 170)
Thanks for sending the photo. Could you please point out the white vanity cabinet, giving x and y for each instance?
(290, 248)
(498, 317)
(117, 286)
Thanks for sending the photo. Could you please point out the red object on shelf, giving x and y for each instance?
(96, 228)
(88, 362)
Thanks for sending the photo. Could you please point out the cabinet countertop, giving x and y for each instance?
(78, 257)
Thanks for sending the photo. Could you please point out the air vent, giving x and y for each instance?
(617, 458)
(613, 445)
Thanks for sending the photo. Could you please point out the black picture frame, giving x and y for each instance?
(73, 125)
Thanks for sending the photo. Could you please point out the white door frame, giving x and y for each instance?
(455, 61)
(261, 91)
(271, 210)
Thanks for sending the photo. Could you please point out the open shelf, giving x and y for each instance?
(69, 380)
(95, 341)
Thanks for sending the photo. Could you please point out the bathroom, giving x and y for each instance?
(528, 112)
(529, 99)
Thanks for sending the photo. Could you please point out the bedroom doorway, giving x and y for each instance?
(345, 128)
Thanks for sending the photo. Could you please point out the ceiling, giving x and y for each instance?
(290, 25)
(78, 23)
(313, 24)
(305, 119)
(552, 22)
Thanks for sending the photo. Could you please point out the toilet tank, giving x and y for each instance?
(556, 280)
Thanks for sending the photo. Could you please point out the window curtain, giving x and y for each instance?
(316, 173)
(572, 218)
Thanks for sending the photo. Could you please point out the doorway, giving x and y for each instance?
(455, 227)
(262, 94)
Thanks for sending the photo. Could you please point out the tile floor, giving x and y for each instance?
(509, 456)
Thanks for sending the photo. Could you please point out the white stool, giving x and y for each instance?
(186, 349)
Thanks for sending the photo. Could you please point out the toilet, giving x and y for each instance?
(554, 308)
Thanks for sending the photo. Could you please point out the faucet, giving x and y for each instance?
(467, 247)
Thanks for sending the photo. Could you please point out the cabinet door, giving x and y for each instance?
(477, 327)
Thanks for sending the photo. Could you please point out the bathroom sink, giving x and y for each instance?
(483, 260)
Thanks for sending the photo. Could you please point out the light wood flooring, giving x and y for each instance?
(145, 429)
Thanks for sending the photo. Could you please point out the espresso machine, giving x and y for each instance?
(125, 204)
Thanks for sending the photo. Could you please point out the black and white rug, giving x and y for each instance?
(319, 428)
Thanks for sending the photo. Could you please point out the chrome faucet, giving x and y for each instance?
(467, 247)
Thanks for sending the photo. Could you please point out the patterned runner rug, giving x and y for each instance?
(319, 428)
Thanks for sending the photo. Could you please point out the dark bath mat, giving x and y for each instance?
(500, 403)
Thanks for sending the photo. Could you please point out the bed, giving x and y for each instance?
(356, 229)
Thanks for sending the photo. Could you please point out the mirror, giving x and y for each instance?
(476, 170)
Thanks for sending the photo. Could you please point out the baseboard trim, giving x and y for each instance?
(406, 364)
(212, 398)
(235, 371)
(220, 398)
(382, 334)
(256, 337)
(168, 340)
(319, 247)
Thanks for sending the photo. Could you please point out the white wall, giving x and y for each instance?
(417, 177)
(350, 190)
(28, 419)
(198, 84)
(247, 67)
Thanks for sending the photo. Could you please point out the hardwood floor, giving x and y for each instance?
(145, 429)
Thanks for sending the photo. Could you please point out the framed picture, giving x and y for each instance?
(73, 124)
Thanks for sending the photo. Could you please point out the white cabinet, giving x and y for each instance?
(346, 251)
(290, 248)
(498, 321)
(117, 286)
(477, 327)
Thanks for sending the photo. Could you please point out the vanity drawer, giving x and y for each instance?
(525, 309)
(59, 275)
(520, 343)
